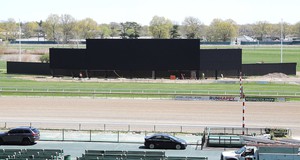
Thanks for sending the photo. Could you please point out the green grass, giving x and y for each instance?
(251, 54)
(10, 82)
(44, 46)
(266, 54)
(2, 65)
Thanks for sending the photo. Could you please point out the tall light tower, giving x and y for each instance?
(281, 39)
(20, 34)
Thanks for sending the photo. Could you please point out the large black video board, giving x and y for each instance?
(143, 54)
(220, 59)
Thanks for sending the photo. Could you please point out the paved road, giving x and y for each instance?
(76, 149)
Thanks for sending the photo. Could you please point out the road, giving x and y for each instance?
(76, 149)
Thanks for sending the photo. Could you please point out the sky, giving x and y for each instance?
(142, 11)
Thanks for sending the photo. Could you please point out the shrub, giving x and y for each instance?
(45, 58)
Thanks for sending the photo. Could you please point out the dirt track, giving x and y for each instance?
(86, 110)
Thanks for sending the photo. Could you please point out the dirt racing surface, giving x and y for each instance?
(150, 112)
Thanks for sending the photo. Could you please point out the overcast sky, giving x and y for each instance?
(142, 11)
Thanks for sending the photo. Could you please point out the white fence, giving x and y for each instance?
(137, 92)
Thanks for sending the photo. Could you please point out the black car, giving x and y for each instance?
(20, 135)
(164, 141)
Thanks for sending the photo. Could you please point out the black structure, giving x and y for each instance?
(28, 68)
(147, 58)
(143, 54)
(130, 54)
(69, 59)
(247, 70)
(143, 57)
(220, 61)
(260, 69)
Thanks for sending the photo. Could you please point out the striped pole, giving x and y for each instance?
(242, 97)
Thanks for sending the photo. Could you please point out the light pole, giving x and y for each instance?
(20, 33)
(281, 42)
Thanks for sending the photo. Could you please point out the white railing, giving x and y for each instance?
(94, 92)
(119, 132)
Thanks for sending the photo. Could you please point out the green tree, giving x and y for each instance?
(52, 27)
(220, 30)
(11, 29)
(76, 33)
(174, 32)
(40, 31)
(29, 29)
(115, 29)
(104, 30)
(88, 28)
(136, 28)
(192, 27)
(130, 30)
(262, 29)
(160, 27)
(296, 29)
(287, 29)
(2, 30)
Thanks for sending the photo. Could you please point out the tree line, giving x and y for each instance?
(63, 28)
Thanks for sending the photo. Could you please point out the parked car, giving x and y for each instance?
(164, 141)
(20, 135)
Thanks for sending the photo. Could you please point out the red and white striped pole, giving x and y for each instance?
(242, 97)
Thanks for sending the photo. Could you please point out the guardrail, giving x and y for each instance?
(140, 92)
(235, 131)
(224, 141)
(108, 127)
(96, 132)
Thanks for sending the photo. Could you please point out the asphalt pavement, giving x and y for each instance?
(76, 149)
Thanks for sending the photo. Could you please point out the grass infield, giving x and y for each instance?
(251, 54)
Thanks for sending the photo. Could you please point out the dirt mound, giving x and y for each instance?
(276, 75)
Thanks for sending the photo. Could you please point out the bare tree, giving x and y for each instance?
(68, 25)
(296, 29)
(52, 27)
(262, 29)
(40, 30)
(11, 29)
(192, 27)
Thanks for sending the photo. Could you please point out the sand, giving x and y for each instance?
(67, 111)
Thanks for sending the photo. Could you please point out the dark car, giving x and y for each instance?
(20, 135)
(164, 141)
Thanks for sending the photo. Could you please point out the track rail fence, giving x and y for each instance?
(136, 93)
